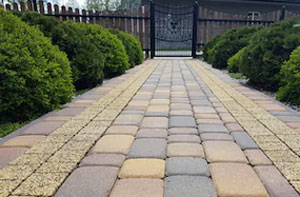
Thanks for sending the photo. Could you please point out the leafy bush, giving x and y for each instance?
(115, 57)
(290, 78)
(35, 76)
(208, 46)
(235, 61)
(87, 61)
(229, 44)
(132, 46)
(267, 50)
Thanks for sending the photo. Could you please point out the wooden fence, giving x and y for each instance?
(137, 21)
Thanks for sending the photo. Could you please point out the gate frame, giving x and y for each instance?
(152, 29)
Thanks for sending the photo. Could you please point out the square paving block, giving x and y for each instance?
(185, 150)
(89, 181)
(129, 119)
(160, 101)
(223, 151)
(257, 157)
(117, 144)
(181, 113)
(155, 122)
(274, 182)
(204, 109)
(216, 137)
(103, 160)
(244, 140)
(234, 127)
(24, 141)
(179, 186)
(212, 128)
(43, 128)
(148, 148)
(138, 187)
(182, 121)
(184, 138)
(143, 168)
(69, 111)
(9, 154)
(186, 166)
(236, 179)
(152, 133)
(183, 131)
(122, 130)
(181, 106)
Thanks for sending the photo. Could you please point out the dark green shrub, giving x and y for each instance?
(87, 62)
(229, 44)
(35, 76)
(115, 57)
(290, 78)
(132, 46)
(235, 61)
(208, 46)
(267, 50)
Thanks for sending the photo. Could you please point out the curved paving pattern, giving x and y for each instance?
(171, 128)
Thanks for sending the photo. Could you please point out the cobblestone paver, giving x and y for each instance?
(167, 128)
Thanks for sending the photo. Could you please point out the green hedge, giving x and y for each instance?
(290, 79)
(208, 46)
(87, 62)
(267, 50)
(132, 46)
(235, 61)
(115, 57)
(35, 76)
(229, 44)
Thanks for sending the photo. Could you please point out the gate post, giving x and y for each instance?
(195, 29)
(152, 29)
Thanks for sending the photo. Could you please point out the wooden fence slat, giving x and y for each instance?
(91, 18)
(83, 19)
(141, 27)
(22, 6)
(41, 5)
(49, 8)
(77, 17)
(64, 13)
(147, 30)
(135, 24)
(15, 7)
(56, 10)
(70, 13)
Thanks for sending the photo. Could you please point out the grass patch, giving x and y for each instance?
(237, 76)
(8, 127)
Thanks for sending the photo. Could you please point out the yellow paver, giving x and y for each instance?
(143, 168)
(185, 150)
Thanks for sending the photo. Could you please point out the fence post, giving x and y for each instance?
(282, 16)
(35, 6)
(195, 29)
(152, 28)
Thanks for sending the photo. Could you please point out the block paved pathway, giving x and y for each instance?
(166, 128)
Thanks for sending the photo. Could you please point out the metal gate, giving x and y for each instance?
(173, 30)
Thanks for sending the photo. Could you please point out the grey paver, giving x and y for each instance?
(152, 133)
(70, 111)
(89, 181)
(148, 148)
(183, 131)
(183, 138)
(244, 140)
(191, 186)
(215, 136)
(212, 128)
(186, 166)
(182, 121)
(274, 182)
(103, 160)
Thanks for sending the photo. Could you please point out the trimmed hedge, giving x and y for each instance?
(87, 61)
(35, 76)
(235, 61)
(262, 59)
(208, 46)
(229, 44)
(115, 57)
(290, 79)
(132, 46)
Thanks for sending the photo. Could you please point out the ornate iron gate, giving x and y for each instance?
(173, 30)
